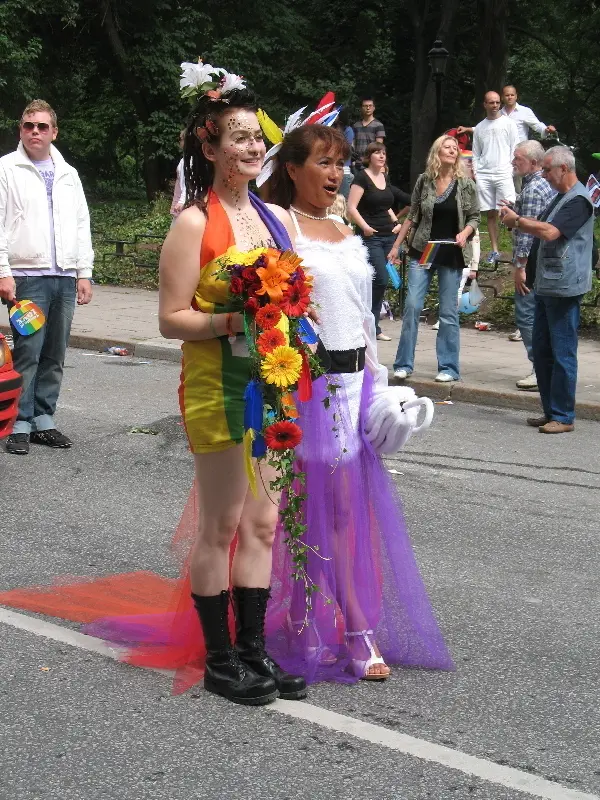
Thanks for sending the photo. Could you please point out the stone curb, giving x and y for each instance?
(482, 396)
(138, 349)
(457, 392)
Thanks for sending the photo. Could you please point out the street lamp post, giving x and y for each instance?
(438, 58)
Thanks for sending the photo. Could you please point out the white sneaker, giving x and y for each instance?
(383, 338)
(444, 377)
(515, 337)
(528, 384)
(436, 327)
(401, 374)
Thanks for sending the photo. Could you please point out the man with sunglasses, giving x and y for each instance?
(46, 256)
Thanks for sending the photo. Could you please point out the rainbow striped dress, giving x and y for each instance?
(215, 372)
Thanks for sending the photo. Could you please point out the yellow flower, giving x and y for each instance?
(282, 366)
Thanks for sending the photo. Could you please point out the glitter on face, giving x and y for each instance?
(240, 156)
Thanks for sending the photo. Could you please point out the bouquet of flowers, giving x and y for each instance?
(273, 292)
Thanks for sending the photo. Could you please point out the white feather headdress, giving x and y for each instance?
(324, 114)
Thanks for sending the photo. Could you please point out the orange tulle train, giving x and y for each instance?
(152, 616)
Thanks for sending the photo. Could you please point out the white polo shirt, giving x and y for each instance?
(525, 120)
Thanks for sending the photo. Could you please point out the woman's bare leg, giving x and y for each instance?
(256, 531)
(355, 619)
(344, 567)
(222, 487)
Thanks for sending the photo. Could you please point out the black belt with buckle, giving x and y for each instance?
(347, 360)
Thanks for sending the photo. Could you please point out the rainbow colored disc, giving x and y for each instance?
(26, 317)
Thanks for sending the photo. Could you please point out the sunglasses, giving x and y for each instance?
(43, 127)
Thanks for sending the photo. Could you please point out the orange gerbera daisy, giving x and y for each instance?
(268, 316)
(282, 366)
(269, 340)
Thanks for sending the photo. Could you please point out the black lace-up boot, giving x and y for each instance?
(250, 610)
(225, 674)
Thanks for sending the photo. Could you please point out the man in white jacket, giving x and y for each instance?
(46, 256)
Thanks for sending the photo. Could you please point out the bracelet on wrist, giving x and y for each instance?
(212, 326)
(229, 328)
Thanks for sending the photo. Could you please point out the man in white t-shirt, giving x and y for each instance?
(494, 141)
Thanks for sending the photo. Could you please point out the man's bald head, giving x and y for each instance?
(491, 103)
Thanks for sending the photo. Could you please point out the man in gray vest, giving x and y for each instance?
(559, 269)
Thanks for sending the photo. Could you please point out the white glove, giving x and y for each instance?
(392, 418)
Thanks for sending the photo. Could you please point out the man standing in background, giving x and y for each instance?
(560, 270)
(366, 131)
(524, 118)
(494, 141)
(534, 198)
(46, 256)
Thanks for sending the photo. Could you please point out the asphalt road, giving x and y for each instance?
(505, 526)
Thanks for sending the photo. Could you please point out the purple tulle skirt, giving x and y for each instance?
(360, 554)
(360, 557)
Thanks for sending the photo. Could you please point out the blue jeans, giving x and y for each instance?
(524, 312)
(40, 357)
(447, 343)
(379, 247)
(555, 354)
(346, 184)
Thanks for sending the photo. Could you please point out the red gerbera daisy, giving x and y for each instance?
(268, 316)
(269, 340)
(283, 435)
(296, 299)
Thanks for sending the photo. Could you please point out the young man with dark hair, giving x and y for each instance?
(366, 131)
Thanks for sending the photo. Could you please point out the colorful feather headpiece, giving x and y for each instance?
(324, 114)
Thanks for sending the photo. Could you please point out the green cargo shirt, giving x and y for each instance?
(422, 205)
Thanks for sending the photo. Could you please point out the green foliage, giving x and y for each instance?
(116, 89)
(137, 225)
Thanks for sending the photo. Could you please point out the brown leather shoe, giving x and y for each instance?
(537, 422)
(556, 427)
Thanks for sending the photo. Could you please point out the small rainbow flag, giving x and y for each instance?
(428, 254)
(26, 317)
(431, 249)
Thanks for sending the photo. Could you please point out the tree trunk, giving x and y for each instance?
(423, 105)
(493, 53)
(150, 168)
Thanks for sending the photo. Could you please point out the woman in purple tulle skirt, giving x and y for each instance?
(371, 608)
